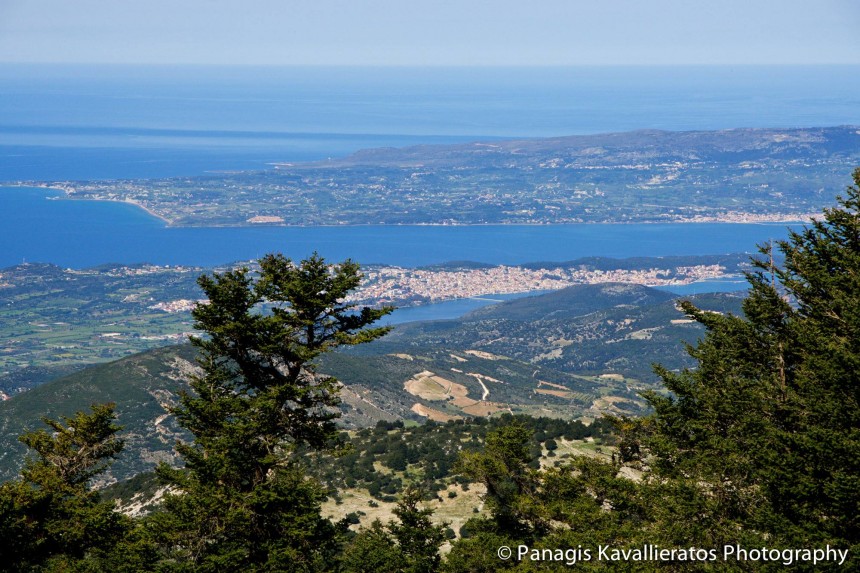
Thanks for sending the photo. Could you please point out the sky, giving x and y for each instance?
(431, 33)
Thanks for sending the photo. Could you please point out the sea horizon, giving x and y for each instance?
(58, 123)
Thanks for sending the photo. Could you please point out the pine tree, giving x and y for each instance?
(243, 502)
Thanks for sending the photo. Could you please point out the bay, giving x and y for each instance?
(450, 309)
(38, 226)
(102, 122)
(722, 284)
(453, 309)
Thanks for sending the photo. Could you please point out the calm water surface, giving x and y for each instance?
(38, 227)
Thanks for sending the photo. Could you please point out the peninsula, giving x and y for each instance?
(739, 175)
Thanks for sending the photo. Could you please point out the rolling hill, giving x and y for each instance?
(575, 353)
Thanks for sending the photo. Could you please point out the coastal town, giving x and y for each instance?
(399, 286)
(55, 317)
(403, 286)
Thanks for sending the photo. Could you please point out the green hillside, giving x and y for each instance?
(575, 353)
(140, 385)
(588, 329)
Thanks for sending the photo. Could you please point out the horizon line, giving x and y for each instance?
(435, 66)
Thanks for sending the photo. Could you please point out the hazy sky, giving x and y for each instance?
(438, 32)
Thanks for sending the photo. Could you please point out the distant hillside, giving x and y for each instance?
(54, 321)
(570, 302)
(380, 387)
(641, 176)
(579, 352)
(588, 330)
(750, 144)
(140, 385)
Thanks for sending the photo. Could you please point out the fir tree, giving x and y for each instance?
(243, 503)
(770, 418)
(50, 519)
(417, 537)
(409, 544)
(503, 468)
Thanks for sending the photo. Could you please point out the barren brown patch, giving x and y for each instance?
(463, 402)
(432, 414)
(551, 385)
(429, 386)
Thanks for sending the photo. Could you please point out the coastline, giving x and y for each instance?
(739, 218)
(137, 204)
(66, 196)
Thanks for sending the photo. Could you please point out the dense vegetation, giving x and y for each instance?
(752, 462)
(390, 457)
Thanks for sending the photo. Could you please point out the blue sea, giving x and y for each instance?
(99, 122)
(103, 122)
(38, 226)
